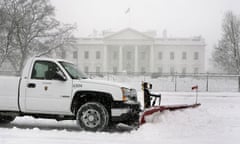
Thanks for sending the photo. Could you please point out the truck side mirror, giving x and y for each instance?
(60, 76)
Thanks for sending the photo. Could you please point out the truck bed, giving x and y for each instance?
(9, 93)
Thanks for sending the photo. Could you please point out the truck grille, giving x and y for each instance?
(133, 95)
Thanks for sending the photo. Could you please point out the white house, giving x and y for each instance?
(133, 51)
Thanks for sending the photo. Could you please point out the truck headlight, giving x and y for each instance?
(125, 93)
(129, 94)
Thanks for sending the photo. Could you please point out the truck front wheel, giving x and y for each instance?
(6, 119)
(92, 116)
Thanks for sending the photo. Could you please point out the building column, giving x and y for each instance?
(105, 55)
(136, 59)
(120, 62)
(151, 59)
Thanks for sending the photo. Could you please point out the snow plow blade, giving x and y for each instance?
(155, 109)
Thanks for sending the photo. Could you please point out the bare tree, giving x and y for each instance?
(227, 53)
(6, 34)
(33, 30)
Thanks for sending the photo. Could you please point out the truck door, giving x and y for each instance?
(46, 92)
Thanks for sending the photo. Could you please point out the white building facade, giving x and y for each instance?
(132, 51)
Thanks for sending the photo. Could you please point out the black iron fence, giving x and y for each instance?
(178, 82)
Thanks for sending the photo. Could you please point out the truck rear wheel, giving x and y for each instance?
(6, 119)
(92, 116)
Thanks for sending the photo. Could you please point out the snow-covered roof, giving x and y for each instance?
(130, 34)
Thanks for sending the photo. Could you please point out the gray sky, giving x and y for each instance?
(181, 18)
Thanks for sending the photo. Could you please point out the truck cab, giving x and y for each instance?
(55, 88)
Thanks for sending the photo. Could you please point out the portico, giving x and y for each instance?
(127, 45)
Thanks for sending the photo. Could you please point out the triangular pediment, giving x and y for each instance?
(128, 34)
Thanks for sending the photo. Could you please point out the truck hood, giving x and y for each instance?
(104, 82)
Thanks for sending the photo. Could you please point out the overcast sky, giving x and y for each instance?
(181, 18)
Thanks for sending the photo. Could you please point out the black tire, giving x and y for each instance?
(92, 116)
(6, 119)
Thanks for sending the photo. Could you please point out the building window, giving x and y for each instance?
(184, 70)
(172, 70)
(184, 55)
(196, 70)
(115, 69)
(129, 55)
(196, 55)
(86, 54)
(86, 69)
(143, 70)
(160, 55)
(160, 70)
(75, 54)
(97, 69)
(171, 55)
(63, 54)
(98, 55)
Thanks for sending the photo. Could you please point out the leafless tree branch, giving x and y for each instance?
(29, 28)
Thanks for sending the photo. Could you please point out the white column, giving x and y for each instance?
(152, 59)
(136, 59)
(105, 55)
(120, 62)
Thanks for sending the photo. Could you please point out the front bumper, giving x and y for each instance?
(125, 112)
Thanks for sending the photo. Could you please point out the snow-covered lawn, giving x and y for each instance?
(216, 121)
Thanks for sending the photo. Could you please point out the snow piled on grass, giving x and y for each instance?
(216, 121)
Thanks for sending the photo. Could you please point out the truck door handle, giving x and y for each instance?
(31, 85)
(65, 96)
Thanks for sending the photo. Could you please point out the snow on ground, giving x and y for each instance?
(216, 121)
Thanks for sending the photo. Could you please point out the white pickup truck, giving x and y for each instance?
(56, 89)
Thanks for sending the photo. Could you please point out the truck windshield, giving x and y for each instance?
(73, 71)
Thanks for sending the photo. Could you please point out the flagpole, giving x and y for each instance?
(129, 19)
(128, 12)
